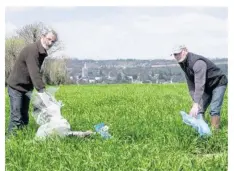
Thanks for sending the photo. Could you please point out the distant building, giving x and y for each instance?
(98, 78)
(85, 71)
(92, 81)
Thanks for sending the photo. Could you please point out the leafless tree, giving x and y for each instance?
(13, 47)
(54, 70)
(32, 32)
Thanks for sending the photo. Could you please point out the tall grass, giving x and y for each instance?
(147, 129)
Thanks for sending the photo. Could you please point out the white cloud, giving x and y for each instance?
(11, 9)
(141, 34)
(21, 9)
(144, 36)
(9, 29)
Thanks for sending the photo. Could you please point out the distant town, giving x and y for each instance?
(130, 71)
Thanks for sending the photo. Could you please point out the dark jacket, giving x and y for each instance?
(214, 75)
(26, 72)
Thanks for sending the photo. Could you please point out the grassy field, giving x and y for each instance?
(147, 129)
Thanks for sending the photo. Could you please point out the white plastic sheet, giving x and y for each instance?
(48, 115)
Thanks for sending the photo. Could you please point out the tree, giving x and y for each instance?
(135, 76)
(13, 47)
(55, 73)
(119, 77)
(32, 32)
(101, 73)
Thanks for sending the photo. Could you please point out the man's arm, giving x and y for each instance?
(199, 69)
(32, 63)
(191, 86)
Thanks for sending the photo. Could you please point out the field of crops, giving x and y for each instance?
(147, 129)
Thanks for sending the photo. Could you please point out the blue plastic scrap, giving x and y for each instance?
(102, 129)
(197, 123)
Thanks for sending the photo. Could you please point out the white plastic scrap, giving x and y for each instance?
(48, 115)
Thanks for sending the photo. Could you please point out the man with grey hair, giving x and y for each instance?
(206, 83)
(26, 76)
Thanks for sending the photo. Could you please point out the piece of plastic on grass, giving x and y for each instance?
(102, 129)
(197, 123)
(48, 115)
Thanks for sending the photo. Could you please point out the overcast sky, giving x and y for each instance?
(130, 32)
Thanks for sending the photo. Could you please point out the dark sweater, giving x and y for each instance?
(26, 72)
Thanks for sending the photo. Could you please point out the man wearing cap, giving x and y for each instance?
(206, 83)
(25, 76)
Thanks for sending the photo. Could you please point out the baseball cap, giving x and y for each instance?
(178, 49)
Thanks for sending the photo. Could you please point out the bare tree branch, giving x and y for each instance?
(54, 70)
(32, 32)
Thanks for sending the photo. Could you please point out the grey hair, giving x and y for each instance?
(48, 30)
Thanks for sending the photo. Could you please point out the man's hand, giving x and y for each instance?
(194, 111)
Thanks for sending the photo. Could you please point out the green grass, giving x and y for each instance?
(148, 133)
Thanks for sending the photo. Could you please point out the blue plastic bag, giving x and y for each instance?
(197, 123)
(102, 129)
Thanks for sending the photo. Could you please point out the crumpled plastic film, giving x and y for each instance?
(197, 123)
(47, 114)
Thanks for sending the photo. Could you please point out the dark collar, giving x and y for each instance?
(40, 47)
(187, 56)
(186, 59)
